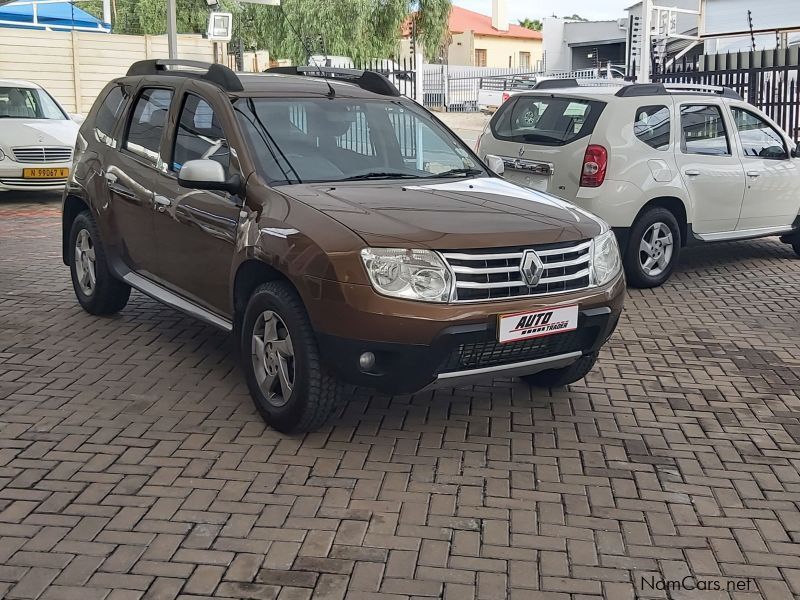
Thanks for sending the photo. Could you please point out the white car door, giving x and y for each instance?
(771, 198)
(710, 167)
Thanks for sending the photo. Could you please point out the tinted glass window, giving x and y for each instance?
(652, 126)
(703, 131)
(758, 137)
(337, 140)
(108, 114)
(148, 122)
(199, 135)
(28, 103)
(546, 120)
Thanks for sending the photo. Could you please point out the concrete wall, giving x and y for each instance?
(75, 66)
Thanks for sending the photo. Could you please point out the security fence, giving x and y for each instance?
(768, 79)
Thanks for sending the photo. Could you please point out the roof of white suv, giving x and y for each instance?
(19, 83)
(630, 90)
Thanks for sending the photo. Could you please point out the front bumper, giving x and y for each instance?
(468, 351)
(11, 177)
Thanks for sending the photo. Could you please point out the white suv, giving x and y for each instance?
(666, 166)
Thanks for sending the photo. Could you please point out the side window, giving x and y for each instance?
(108, 115)
(652, 126)
(200, 135)
(148, 122)
(703, 130)
(759, 138)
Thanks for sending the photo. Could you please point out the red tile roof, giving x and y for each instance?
(462, 20)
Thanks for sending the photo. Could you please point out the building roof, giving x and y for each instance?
(462, 20)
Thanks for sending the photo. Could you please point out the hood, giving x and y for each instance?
(472, 213)
(37, 132)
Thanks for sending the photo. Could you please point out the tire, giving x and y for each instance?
(97, 290)
(796, 245)
(652, 227)
(554, 378)
(274, 313)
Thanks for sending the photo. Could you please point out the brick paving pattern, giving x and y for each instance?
(133, 465)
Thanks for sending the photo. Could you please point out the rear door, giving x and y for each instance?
(771, 198)
(710, 168)
(542, 140)
(129, 175)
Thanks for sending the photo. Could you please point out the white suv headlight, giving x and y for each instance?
(409, 274)
(606, 262)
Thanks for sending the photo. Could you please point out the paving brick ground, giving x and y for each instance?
(132, 464)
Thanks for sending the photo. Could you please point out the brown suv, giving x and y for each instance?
(338, 229)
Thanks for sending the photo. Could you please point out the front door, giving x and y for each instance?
(197, 229)
(129, 180)
(711, 171)
(771, 198)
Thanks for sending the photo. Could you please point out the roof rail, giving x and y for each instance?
(552, 84)
(661, 89)
(366, 80)
(213, 73)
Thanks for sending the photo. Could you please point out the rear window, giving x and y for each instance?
(546, 120)
(652, 126)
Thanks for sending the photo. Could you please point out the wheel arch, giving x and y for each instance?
(249, 275)
(674, 205)
(73, 206)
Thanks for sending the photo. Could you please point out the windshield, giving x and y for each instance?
(321, 140)
(28, 103)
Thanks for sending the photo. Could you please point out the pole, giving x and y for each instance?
(172, 28)
(647, 33)
(106, 11)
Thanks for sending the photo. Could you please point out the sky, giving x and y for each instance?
(536, 9)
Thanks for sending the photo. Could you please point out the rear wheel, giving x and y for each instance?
(560, 377)
(653, 248)
(291, 388)
(97, 290)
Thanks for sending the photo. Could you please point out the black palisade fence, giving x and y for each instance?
(768, 79)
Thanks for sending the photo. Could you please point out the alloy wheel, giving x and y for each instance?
(85, 263)
(273, 358)
(655, 249)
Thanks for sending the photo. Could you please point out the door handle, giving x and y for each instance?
(110, 178)
(753, 174)
(161, 203)
(691, 172)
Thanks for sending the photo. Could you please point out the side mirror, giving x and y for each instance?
(207, 174)
(495, 164)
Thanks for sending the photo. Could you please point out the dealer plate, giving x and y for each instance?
(538, 323)
(45, 173)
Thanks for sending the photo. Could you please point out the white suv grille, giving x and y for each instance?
(496, 273)
(41, 154)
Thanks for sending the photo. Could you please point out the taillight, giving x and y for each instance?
(595, 162)
(506, 96)
(478, 144)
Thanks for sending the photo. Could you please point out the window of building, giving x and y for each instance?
(480, 57)
(525, 60)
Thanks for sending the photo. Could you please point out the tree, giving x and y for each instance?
(534, 24)
(575, 17)
(360, 29)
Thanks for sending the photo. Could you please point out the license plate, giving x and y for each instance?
(45, 173)
(537, 323)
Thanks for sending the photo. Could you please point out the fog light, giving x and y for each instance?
(366, 361)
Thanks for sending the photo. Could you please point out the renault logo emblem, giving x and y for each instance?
(521, 150)
(531, 268)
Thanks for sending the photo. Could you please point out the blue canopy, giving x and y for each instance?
(59, 16)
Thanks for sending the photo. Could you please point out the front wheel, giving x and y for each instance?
(291, 388)
(653, 248)
(554, 378)
(796, 245)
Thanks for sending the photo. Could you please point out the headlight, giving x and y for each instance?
(410, 274)
(606, 261)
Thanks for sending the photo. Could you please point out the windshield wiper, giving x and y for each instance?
(380, 175)
(453, 172)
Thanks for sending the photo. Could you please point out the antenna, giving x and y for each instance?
(750, 24)
(331, 91)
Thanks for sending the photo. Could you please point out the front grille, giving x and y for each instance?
(39, 154)
(476, 355)
(495, 274)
